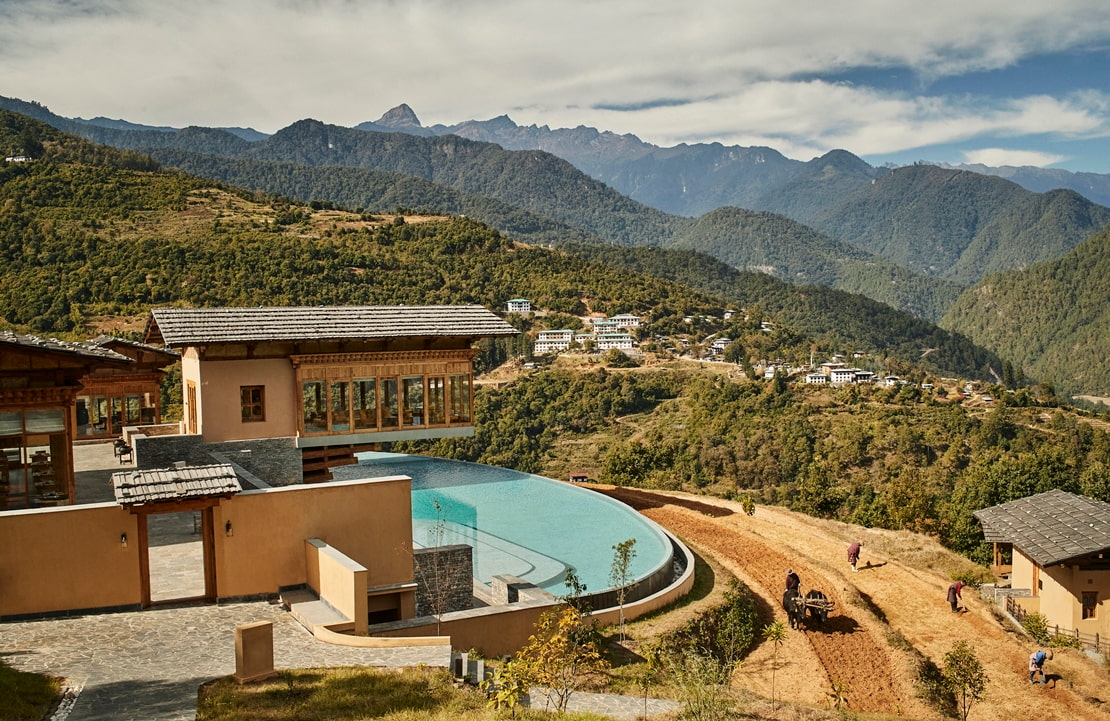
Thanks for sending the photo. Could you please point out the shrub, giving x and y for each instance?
(1036, 625)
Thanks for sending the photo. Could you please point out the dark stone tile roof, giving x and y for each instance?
(133, 488)
(53, 345)
(107, 341)
(1051, 528)
(179, 327)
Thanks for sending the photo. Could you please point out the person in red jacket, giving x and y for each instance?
(853, 554)
(954, 596)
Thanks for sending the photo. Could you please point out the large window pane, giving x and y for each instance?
(390, 403)
(132, 407)
(412, 389)
(84, 416)
(315, 407)
(437, 401)
(117, 415)
(364, 402)
(460, 398)
(340, 406)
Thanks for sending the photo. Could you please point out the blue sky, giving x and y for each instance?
(1002, 83)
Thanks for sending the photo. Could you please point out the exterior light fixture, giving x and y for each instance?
(227, 528)
(123, 539)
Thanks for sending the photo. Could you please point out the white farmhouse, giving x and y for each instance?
(519, 305)
(552, 341)
(620, 341)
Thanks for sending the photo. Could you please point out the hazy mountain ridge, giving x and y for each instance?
(954, 224)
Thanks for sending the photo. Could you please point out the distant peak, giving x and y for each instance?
(400, 117)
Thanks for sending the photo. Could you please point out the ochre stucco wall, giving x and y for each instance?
(1060, 593)
(66, 558)
(71, 558)
(370, 521)
(220, 413)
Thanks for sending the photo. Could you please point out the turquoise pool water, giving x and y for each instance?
(518, 523)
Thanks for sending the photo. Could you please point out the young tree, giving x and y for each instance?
(555, 656)
(964, 676)
(776, 634)
(620, 574)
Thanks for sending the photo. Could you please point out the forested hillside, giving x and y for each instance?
(1052, 318)
(774, 244)
(960, 225)
(836, 318)
(883, 457)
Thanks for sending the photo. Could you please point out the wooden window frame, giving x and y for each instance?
(246, 403)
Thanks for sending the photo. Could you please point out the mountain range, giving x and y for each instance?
(913, 237)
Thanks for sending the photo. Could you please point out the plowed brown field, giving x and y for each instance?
(887, 597)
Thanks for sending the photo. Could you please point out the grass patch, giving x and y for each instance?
(26, 696)
(347, 694)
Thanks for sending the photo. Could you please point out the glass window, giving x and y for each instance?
(11, 423)
(84, 417)
(340, 406)
(253, 401)
(1090, 604)
(132, 410)
(460, 398)
(390, 403)
(315, 403)
(412, 389)
(117, 414)
(364, 402)
(437, 402)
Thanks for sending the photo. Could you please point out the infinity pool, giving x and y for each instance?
(518, 523)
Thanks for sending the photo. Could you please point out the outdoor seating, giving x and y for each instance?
(123, 452)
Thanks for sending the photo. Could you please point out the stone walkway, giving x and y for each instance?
(148, 664)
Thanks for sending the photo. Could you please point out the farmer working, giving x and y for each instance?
(954, 596)
(792, 580)
(1036, 665)
(853, 554)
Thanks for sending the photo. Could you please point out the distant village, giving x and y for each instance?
(603, 334)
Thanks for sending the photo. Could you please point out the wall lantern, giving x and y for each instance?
(123, 539)
(227, 528)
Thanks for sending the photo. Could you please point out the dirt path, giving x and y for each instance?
(886, 601)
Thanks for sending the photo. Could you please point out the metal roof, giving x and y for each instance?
(178, 327)
(53, 345)
(1051, 528)
(133, 488)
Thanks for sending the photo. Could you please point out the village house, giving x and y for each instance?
(322, 383)
(610, 341)
(519, 305)
(626, 320)
(552, 341)
(1060, 567)
(819, 378)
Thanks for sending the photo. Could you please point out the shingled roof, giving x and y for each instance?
(1051, 528)
(135, 488)
(53, 345)
(179, 327)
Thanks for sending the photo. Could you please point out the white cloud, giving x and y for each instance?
(740, 72)
(998, 157)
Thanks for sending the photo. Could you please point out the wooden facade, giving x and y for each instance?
(39, 384)
(113, 398)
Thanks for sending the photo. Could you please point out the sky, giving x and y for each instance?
(1019, 82)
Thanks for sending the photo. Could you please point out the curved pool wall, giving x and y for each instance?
(525, 525)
